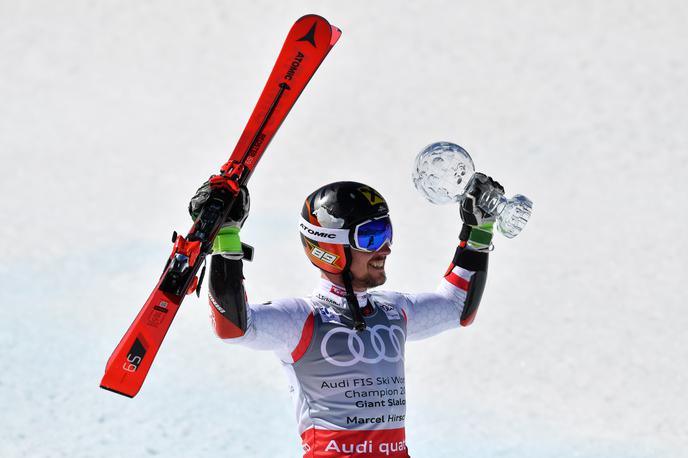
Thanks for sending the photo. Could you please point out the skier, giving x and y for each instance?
(343, 346)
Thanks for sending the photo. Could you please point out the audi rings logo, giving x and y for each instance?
(387, 344)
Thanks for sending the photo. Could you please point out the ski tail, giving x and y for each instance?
(128, 366)
(306, 46)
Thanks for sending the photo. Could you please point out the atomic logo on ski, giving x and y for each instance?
(294, 66)
(310, 36)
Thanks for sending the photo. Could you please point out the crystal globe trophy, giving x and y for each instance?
(442, 173)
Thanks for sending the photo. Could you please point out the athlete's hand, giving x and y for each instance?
(480, 222)
(471, 214)
(237, 215)
(228, 243)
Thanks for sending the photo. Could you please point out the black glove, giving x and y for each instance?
(471, 214)
(237, 215)
(480, 222)
(228, 243)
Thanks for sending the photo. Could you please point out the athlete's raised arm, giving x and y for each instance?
(277, 327)
(456, 300)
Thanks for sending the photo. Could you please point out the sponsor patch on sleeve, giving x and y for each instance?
(328, 315)
(391, 311)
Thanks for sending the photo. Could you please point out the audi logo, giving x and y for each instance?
(357, 346)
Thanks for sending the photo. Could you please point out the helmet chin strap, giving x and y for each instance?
(351, 300)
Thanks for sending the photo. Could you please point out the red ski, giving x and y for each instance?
(308, 43)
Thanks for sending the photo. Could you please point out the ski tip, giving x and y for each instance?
(336, 33)
(315, 16)
(130, 396)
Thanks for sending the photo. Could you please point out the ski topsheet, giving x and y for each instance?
(306, 46)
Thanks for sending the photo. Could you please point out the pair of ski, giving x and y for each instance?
(306, 46)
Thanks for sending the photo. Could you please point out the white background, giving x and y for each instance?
(113, 112)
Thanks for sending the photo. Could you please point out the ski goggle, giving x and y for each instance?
(369, 236)
(372, 235)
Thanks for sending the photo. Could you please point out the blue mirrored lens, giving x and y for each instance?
(372, 235)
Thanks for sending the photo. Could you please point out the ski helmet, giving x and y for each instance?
(340, 216)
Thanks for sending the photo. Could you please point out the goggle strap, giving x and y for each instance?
(324, 234)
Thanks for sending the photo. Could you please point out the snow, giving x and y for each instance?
(112, 113)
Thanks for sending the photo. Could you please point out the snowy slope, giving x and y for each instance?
(111, 114)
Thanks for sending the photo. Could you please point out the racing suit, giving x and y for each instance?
(347, 386)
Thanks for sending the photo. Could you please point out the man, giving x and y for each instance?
(343, 347)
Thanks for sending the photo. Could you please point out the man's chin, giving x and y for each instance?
(376, 280)
(370, 280)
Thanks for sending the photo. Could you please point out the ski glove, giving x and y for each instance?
(228, 243)
(480, 222)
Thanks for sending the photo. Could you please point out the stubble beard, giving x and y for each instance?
(369, 281)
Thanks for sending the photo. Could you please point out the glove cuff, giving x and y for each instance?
(480, 237)
(227, 241)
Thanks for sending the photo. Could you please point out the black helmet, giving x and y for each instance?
(331, 218)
